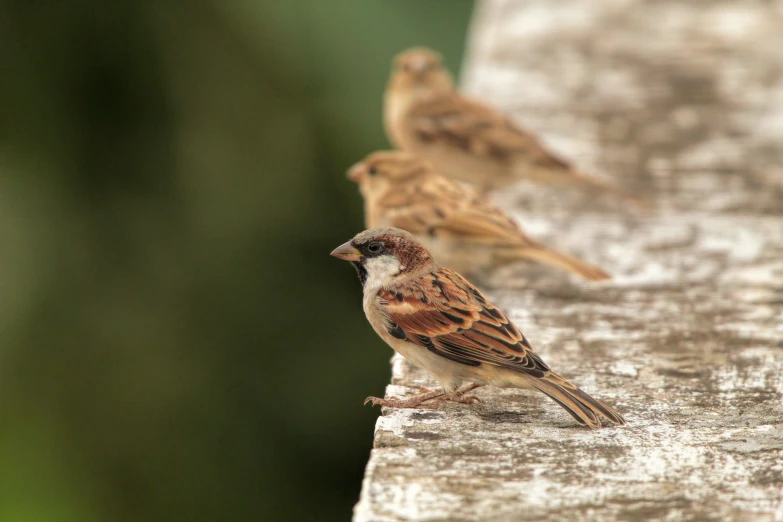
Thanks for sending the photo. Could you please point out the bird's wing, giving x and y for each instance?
(439, 206)
(461, 122)
(448, 316)
(411, 205)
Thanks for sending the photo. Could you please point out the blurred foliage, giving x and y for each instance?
(175, 341)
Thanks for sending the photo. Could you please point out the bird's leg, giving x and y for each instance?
(419, 388)
(467, 389)
(412, 402)
(436, 396)
(459, 395)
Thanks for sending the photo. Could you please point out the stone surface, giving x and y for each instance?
(681, 101)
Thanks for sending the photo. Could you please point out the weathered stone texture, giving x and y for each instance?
(682, 101)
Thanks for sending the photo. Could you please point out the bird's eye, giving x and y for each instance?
(375, 247)
(372, 171)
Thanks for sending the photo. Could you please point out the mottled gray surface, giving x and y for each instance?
(682, 101)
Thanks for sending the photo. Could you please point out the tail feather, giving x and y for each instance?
(569, 177)
(566, 262)
(581, 406)
(599, 407)
(601, 186)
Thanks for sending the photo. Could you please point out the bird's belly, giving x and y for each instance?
(448, 373)
(452, 375)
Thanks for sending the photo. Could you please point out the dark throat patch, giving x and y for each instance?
(361, 271)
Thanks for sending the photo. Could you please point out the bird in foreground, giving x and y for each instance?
(465, 139)
(460, 228)
(440, 322)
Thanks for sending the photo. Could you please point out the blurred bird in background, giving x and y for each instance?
(459, 227)
(465, 139)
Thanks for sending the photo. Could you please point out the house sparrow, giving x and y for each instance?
(457, 226)
(440, 322)
(464, 139)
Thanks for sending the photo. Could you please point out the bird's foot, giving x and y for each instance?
(460, 395)
(433, 398)
(468, 399)
(413, 402)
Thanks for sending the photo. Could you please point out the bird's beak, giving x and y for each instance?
(355, 173)
(346, 252)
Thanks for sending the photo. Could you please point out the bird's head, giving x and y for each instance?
(419, 72)
(384, 169)
(384, 257)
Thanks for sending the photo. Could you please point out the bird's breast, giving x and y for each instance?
(395, 107)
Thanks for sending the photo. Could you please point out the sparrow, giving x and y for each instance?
(459, 227)
(465, 139)
(437, 320)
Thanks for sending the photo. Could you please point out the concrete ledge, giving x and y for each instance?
(683, 102)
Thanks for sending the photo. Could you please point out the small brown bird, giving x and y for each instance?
(440, 322)
(464, 139)
(457, 226)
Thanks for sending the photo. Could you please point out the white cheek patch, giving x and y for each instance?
(381, 270)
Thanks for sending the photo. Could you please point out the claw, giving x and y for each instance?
(374, 400)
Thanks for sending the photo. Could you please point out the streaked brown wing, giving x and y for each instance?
(445, 314)
(447, 209)
(478, 129)
(413, 206)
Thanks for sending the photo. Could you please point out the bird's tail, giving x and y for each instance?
(600, 186)
(586, 410)
(564, 261)
(569, 177)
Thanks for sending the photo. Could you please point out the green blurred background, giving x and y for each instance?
(175, 341)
